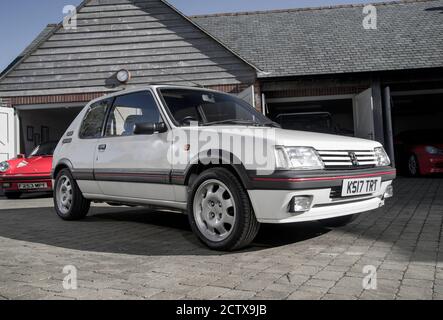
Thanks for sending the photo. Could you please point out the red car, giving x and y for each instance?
(28, 174)
(420, 152)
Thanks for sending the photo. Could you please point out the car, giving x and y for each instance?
(170, 146)
(28, 174)
(321, 122)
(420, 152)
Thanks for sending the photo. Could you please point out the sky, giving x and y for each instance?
(22, 20)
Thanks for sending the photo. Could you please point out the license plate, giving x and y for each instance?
(356, 187)
(32, 186)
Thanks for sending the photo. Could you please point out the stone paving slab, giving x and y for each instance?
(135, 253)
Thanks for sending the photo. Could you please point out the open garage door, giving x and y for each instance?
(364, 115)
(328, 115)
(418, 132)
(248, 95)
(7, 134)
(39, 125)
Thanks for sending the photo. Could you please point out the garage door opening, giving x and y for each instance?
(42, 125)
(418, 133)
(326, 116)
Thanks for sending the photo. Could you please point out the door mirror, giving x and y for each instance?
(150, 128)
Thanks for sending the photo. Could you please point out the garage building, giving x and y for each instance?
(374, 83)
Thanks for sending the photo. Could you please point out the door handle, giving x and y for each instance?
(102, 147)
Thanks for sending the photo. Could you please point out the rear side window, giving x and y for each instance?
(93, 122)
(130, 109)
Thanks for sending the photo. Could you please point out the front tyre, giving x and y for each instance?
(220, 212)
(69, 202)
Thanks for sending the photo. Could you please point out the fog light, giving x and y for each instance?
(300, 204)
(389, 193)
(6, 185)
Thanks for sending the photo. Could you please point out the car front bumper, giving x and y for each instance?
(272, 205)
(10, 183)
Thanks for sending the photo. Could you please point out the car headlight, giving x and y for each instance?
(4, 166)
(433, 150)
(382, 157)
(298, 158)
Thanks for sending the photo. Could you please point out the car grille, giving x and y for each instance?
(348, 159)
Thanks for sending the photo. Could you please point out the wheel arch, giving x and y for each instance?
(217, 159)
(62, 164)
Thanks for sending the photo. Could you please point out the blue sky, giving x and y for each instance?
(22, 20)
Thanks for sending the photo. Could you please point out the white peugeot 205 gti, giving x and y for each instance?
(215, 157)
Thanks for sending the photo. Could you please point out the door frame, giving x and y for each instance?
(14, 141)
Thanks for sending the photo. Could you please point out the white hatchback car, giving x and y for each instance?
(215, 157)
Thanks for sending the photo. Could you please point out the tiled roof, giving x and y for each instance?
(332, 40)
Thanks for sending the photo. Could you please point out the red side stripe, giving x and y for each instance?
(326, 178)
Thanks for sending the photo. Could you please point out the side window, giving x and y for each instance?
(93, 122)
(130, 109)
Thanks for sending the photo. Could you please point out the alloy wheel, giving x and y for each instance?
(64, 194)
(412, 165)
(214, 210)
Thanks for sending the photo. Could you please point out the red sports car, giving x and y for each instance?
(28, 174)
(420, 152)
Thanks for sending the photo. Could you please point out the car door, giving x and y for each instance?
(83, 152)
(134, 166)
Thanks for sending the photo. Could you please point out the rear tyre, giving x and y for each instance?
(413, 166)
(339, 222)
(69, 202)
(13, 195)
(219, 211)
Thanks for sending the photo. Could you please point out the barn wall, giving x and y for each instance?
(147, 37)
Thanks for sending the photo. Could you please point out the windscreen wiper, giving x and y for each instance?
(239, 121)
(233, 121)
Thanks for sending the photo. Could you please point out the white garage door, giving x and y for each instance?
(248, 95)
(7, 137)
(364, 115)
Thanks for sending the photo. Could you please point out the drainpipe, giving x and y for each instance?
(378, 112)
(389, 136)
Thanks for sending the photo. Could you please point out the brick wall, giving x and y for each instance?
(5, 102)
(67, 98)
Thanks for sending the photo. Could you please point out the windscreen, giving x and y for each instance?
(207, 107)
(45, 149)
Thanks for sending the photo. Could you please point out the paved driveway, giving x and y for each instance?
(122, 253)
